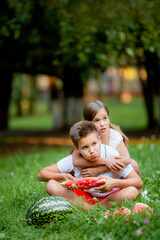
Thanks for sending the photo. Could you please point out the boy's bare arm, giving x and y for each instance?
(132, 180)
(52, 172)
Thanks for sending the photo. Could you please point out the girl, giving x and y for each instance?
(111, 135)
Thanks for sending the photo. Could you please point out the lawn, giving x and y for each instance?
(127, 115)
(41, 118)
(20, 188)
(130, 115)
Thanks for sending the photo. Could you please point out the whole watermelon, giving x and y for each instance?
(46, 209)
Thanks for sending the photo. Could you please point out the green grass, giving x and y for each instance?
(33, 122)
(20, 188)
(128, 116)
(41, 118)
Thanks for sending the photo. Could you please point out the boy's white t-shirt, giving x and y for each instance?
(114, 138)
(65, 165)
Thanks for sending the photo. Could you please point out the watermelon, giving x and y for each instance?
(139, 207)
(46, 209)
(120, 211)
(84, 183)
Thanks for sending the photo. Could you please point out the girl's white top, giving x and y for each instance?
(65, 165)
(114, 138)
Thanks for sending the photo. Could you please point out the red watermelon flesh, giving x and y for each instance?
(85, 183)
(120, 211)
(139, 207)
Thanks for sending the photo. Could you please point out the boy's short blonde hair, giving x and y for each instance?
(82, 129)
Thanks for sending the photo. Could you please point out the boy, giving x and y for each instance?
(85, 138)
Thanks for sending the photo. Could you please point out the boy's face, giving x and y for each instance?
(89, 147)
(101, 121)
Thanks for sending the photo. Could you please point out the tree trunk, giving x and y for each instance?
(32, 82)
(157, 101)
(151, 86)
(72, 111)
(73, 93)
(6, 87)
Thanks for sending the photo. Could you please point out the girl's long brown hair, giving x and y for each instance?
(91, 110)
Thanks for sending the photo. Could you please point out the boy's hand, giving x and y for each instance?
(67, 176)
(114, 164)
(109, 185)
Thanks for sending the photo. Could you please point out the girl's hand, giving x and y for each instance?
(89, 172)
(109, 185)
(67, 177)
(114, 164)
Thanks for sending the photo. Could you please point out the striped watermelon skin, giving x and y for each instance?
(46, 209)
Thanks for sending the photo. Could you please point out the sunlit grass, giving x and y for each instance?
(41, 119)
(33, 122)
(127, 115)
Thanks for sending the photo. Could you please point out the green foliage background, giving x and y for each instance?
(69, 39)
(98, 32)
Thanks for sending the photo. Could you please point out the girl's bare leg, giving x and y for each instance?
(136, 167)
(137, 170)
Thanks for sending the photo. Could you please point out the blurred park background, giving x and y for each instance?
(57, 55)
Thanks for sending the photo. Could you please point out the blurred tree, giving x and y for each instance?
(68, 38)
(23, 93)
(28, 43)
(138, 31)
(129, 32)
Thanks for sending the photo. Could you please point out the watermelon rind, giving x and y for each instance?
(47, 209)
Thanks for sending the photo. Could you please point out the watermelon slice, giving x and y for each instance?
(120, 211)
(139, 207)
(84, 183)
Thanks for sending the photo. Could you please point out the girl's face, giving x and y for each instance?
(101, 121)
